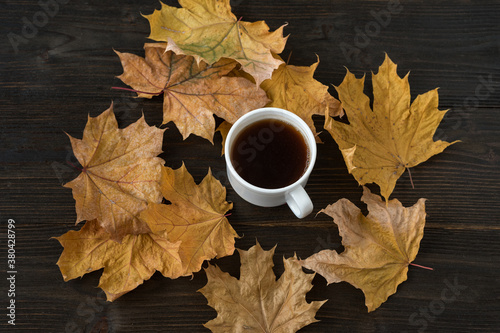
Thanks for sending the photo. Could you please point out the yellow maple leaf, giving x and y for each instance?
(196, 217)
(378, 247)
(379, 145)
(126, 264)
(120, 173)
(192, 92)
(294, 88)
(257, 302)
(209, 31)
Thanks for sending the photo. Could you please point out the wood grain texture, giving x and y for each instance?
(65, 71)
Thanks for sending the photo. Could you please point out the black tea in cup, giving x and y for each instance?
(270, 153)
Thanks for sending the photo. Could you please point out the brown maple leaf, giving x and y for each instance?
(126, 264)
(294, 88)
(209, 31)
(378, 247)
(257, 302)
(223, 129)
(196, 217)
(379, 145)
(192, 92)
(120, 173)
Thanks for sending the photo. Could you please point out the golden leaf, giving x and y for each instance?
(379, 145)
(223, 128)
(257, 302)
(209, 31)
(196, 217)
(378, 248)
(294, 88)
(126, 264)
(192, 92)
(120, 173)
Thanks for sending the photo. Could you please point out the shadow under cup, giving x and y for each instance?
(270, 153)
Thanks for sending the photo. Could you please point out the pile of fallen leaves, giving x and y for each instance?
(142, 216)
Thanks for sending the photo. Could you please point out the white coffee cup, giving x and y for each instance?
(294, 194)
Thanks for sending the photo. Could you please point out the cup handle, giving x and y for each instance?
(299, 202)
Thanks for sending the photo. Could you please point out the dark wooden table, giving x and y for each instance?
(54, 76)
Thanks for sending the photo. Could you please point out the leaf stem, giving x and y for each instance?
(411, 179)
(137, 91)
(74, 166)
(424, 267)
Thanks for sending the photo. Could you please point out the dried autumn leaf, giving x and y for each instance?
(223, 128)
(192, 92)
(120, 173)
(294, 88)
(196, 217)
(209, 31)
(378, 247)
(257, 302)
(126, 264)
(379, 145)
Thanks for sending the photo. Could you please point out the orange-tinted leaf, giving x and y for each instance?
(378, 247)
(196, 217)
(192, 92)
(120, 173)
(209, 31)
(294, 88)
(257, 302)
(378, 145)
(126, 264)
